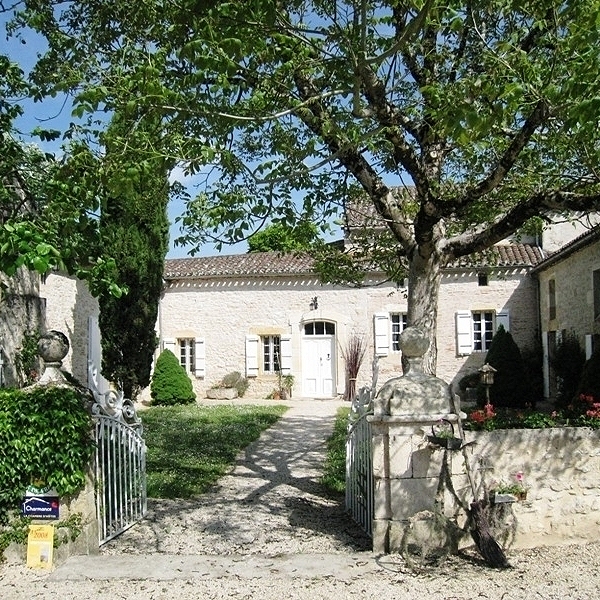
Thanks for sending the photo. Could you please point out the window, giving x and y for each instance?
(475, 329)
(319, 328)
(268, 354)
(483, 330)
(399, 324)
(271, 353)
(190, 352)
(552, 299)
(187, 357)
(596, 287)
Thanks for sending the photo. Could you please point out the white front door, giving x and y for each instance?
(318, 379)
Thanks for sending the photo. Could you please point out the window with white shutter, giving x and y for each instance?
(475, 329)
(252, 348)
(200, 357)
(381, 328)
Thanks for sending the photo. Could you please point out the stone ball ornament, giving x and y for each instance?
(53, 346)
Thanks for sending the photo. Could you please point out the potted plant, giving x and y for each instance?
(287, 383)
(513, 491)
(442, 435)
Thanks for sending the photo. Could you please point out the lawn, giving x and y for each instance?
(190, 447)
(334, 473)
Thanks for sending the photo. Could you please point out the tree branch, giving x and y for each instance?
(315, 116)
(541, 204)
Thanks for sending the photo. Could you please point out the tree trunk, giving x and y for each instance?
(424, 278)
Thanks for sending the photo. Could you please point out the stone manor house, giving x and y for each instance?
(263, 314)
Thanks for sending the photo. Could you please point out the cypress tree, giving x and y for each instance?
(135, 231)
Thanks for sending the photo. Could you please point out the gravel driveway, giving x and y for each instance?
(268, 530)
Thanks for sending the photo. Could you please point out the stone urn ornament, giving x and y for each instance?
(53, 346)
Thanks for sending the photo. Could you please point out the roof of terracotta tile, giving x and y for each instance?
(258, 264)
(253, 263)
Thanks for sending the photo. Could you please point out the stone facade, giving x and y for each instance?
(71, 309)
(569, 297)
(223, 310)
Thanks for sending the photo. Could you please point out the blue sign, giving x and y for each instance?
(40, 507)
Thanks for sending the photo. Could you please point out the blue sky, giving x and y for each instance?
(55, 113)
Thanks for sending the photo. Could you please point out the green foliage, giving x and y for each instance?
(170, 383)
(134, 230)
(277, 237)
(510, 387)
(27, 361)
(17, 531)
(190, 447)
(507, 418)
(45, 434)
(334, 472)
(496, 130)
(567, 364)
(235, 380)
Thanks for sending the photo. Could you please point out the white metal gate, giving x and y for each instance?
(120, 465)
(359, 463)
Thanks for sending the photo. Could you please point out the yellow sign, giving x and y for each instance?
(40, 546)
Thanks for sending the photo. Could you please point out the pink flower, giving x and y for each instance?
(519, 476)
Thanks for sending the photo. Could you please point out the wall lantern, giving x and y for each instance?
(314, 304)
(487, 379)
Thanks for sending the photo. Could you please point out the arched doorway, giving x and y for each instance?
(318, 359)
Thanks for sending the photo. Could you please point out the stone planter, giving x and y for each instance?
(221, 393)
(502, 498)
(451, 443)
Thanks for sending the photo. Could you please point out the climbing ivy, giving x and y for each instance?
(45, 435)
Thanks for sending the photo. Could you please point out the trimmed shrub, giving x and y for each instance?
(590, 376)
(511, 387)
(170, 383)
(567, 363)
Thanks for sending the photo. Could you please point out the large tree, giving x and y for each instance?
(486, 109)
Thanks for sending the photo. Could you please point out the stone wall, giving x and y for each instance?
(574, 293)
(21, 313)
(561, 467)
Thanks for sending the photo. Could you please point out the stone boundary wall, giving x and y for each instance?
(561, 467)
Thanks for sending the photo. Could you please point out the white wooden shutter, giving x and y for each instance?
(95, 377)
(381, 326)
(170, 344)
(464, 332)
(252, 348)
(286, 354)
(589, 345)
(546, 364)
(200, 357)
(502, 318)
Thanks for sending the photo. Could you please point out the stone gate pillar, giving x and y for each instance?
(406, 470)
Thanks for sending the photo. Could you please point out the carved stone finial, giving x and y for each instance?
(53, 347)
(416, 392)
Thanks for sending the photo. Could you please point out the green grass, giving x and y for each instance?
(334, 474)
(190, 447)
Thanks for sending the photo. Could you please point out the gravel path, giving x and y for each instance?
(268, 530)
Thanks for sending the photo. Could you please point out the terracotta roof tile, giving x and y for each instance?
(257, 264)
(251, 264)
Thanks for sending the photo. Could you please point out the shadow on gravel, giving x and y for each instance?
(273, 493)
